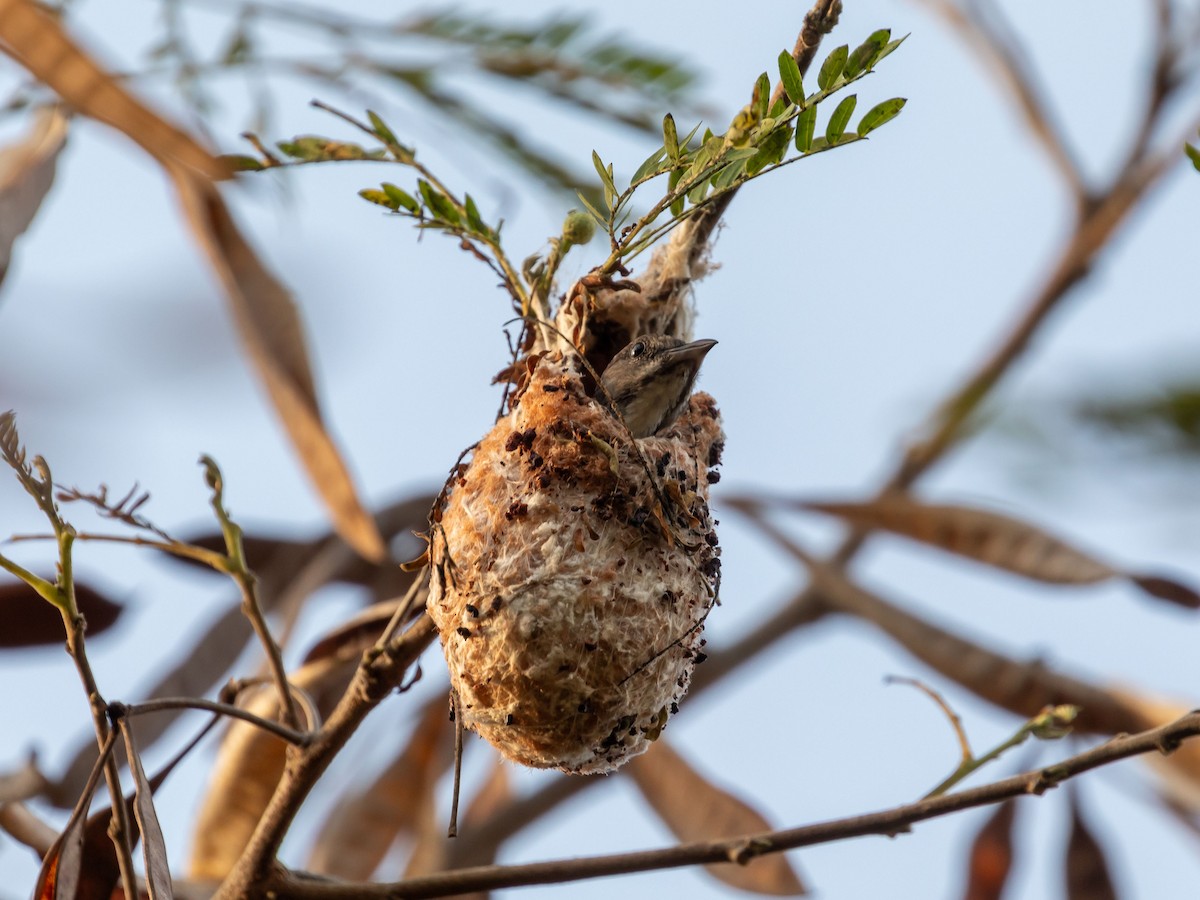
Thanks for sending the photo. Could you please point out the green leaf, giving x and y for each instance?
(670, 137)
(793, 80)
(880, 39)
(379, 197)
(606, 178)
(806, 124)
(240, 163)
(771, 151)
(728, 175)
(761, 98)
(672, 183)
(697, 194)
(1193, 154)
(880, 114)
(475, 221)
(439, 204)
(381, 129)
(840, 118)
(648, 168)
(603, 220)
(888, 48)
(400, 198)
(832, 68)
(864, 54)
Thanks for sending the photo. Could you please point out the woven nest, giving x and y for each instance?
(573, 574)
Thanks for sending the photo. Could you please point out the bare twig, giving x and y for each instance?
(292, 736)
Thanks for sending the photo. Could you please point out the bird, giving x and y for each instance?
(650, 379)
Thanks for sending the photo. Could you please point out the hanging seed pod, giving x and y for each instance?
(573, 571)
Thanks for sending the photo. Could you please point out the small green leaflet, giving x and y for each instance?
(832, 68)
(439, 204)
(880, 114)
(606, 178)
(865, 53)
(889, 47)
(603, 220)
(670, 137)
(673, 182)
(806, 124)
(474, 220)
(1193, 154)
(400, 198)
(761, 98)
(384, 133)
(793, 81)
(650, 167)
(840, 118)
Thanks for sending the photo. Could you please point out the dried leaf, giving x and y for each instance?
(1000, 541)
(248, 766)
(977, 534)
(350, 638)
(26, 173)
(154, 847)
(1087, 871)
(26, 782)
(399, 803)
(19, 823)
(29, 621)
(37, 40)
(97, 859)
(696, 810)
(270, 327)
(82, 864)
(991, 857)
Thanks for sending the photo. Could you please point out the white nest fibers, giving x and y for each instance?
(573, 571)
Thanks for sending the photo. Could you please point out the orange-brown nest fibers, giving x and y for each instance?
(572, 575)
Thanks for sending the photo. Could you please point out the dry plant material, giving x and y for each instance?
(695, 809)
(270, 327)
(36, 39)
(990, 860)
(26, 174)
(248, 767)
(1087, 874)
(398, 803)
(573, 570)
(31, 622)
(154, 847)
(997, 540)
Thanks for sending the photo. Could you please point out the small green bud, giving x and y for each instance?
(578, 228)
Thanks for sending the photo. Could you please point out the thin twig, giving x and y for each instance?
(292, 736)
(955, 720)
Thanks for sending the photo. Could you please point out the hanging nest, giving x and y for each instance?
(573, 570)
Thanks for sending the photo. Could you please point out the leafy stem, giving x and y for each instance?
(234, 564)
(755, 143)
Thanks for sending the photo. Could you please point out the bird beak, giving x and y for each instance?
(693, 353)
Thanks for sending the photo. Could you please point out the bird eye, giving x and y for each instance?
(637, 349)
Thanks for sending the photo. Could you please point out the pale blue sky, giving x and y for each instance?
(853, 289)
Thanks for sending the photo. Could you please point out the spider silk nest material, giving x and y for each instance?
(570, 599)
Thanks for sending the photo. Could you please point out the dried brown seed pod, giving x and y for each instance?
(573, 570)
